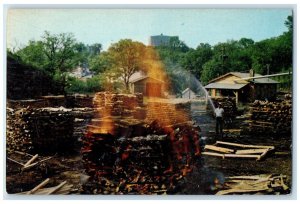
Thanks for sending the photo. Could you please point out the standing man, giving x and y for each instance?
(219, 111)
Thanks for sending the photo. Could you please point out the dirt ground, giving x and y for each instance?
(199, 182)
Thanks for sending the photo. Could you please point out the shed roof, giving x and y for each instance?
(225, 86)
(245, 75)
(143, 78)
(186, 90)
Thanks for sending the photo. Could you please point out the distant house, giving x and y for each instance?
(243, 87)
(160, 40)
(81, 72)
(148, 86)
(188, 94)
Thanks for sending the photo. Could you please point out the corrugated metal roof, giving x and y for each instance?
(224, 86)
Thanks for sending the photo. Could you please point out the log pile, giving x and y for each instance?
(127, 155)
(117, 104)
(228, 104)
(18, 136)
(255, 184)
(269, 118)
(51, 129)
(168, 113)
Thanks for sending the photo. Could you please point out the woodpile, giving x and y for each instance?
(117, 104)
(255, 184)
(269, 118)
(127, 155)
(228, 104)
(145, 164)
(168, 113)
(50, 129)
(235, 150)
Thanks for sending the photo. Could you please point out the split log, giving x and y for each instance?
(45, 182)
(224, 192)
(218, 149)
(245, 146)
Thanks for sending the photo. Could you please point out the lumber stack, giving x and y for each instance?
(228, 104)
(269, 118)
(255, 184)
(234, 150)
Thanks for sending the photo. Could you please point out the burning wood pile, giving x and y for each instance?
(272, 118)
(124, 155)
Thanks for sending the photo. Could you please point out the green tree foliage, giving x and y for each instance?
(194, 60)
(126, 58)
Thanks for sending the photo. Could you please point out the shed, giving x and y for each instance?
(148, 86)
(188, 94)
(245, 90)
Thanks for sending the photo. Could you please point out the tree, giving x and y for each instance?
(194, 60)
(59, 50)
(211, 70)
(127, 58)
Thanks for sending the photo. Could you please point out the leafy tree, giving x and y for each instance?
(127, 58)
(194, 60)
(211, 70)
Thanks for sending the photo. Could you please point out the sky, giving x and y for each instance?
(106, 26)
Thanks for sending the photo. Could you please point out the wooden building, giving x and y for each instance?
(188, 94)
(148, 86)
(237, 84)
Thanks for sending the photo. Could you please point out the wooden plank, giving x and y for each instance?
(213, 154)
(56, 188)
(224, 192)
(245, 146)
(218, 149)
(250, 151)
(38, 186)
(262, 155)
(31, 160)
(255, 177)
(15, 161)
(32, 165)
(241, 156)
(43, 191)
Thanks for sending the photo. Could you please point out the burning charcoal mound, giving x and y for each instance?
(138, 158)
(228, 104)
(271, 118)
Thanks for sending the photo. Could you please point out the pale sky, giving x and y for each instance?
(106, 26)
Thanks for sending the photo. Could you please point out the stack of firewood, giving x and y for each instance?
(168, 113)
(18, 136)
(116, 104)
(50, 129)
(269, 118)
